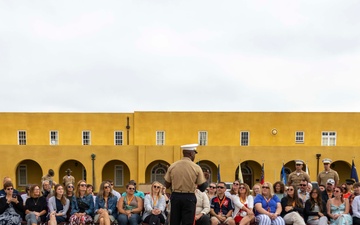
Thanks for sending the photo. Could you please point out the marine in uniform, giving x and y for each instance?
(183, 177)
(298, 175)
(327, 173)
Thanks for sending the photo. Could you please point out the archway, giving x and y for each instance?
(27, 172)
(77, 168)
(251, 172)
(118, 172)
(155, 171)
(211, 168)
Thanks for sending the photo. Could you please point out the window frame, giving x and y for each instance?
(89, 137)
(302, 136)
(56, 138)
(328, 138)
(22, 140)
(120, 168)
(201, 137)
(116, 139)
(19, 175)
(241, 138)
(160, 141)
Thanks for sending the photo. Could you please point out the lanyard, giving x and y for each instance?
(154, 201)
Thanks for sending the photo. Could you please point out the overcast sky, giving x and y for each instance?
(157, 55)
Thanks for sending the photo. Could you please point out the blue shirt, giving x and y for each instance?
(269, 205)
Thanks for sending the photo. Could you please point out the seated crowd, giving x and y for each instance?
(77, 205)
(265, 204)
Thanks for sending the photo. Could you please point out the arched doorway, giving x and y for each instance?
(118, 172)
(156, 171)
(28, 172)
(210, 168)
(77, 168)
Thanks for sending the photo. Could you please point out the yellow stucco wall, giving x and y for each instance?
(141, 155)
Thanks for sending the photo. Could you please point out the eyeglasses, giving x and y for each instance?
(212, 187)
(298, 164)
(106, 187)
(112, 184)
(236, 184)
(266, 187)
(241, 187)
(156, 186)
(131, 188)
(303, 185)
(70, 186)
(221, 187)
(290, 189)
(83, 185)
(336, 191)
(9, 189)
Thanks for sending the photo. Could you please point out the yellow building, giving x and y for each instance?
(140, 145)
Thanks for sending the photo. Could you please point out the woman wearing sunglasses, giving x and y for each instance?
(211, 191)
(338, 208)
(244, 204)
(82, 205)
(129, 207)
(315, 209)
(11, 206)
(154, 204)
(292, 207)
(105, 205)
(268, 207)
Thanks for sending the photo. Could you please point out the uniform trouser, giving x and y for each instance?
(356, 220)
(294, 218)
(183, 206)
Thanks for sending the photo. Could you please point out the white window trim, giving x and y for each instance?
(82, 137)
(122, 137)
(206, 138)
(18, 137)
(243, 131)
(156, 141)
(122, 176)
(57, 134)
(26, 175)
(328, 138)
(303, 136)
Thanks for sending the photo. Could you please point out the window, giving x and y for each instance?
(22, 137)
(118, 137)
(118, 176)
(328, 138)
(244, 138)
(22, 175)
(202, 137)
(158, 173)
(160, 137)
(86, 138)
(299, 137)
(54, 137)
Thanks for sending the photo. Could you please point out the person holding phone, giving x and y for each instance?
(11, 206)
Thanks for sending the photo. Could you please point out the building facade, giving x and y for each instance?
(141, 145)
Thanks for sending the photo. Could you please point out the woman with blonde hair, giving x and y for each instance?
(244, 204)
(256, 189)
(58, 206)
(82, 205)
(268, 207)
(154, 205)
(105, 205)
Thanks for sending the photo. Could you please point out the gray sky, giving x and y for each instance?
(125, 56)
